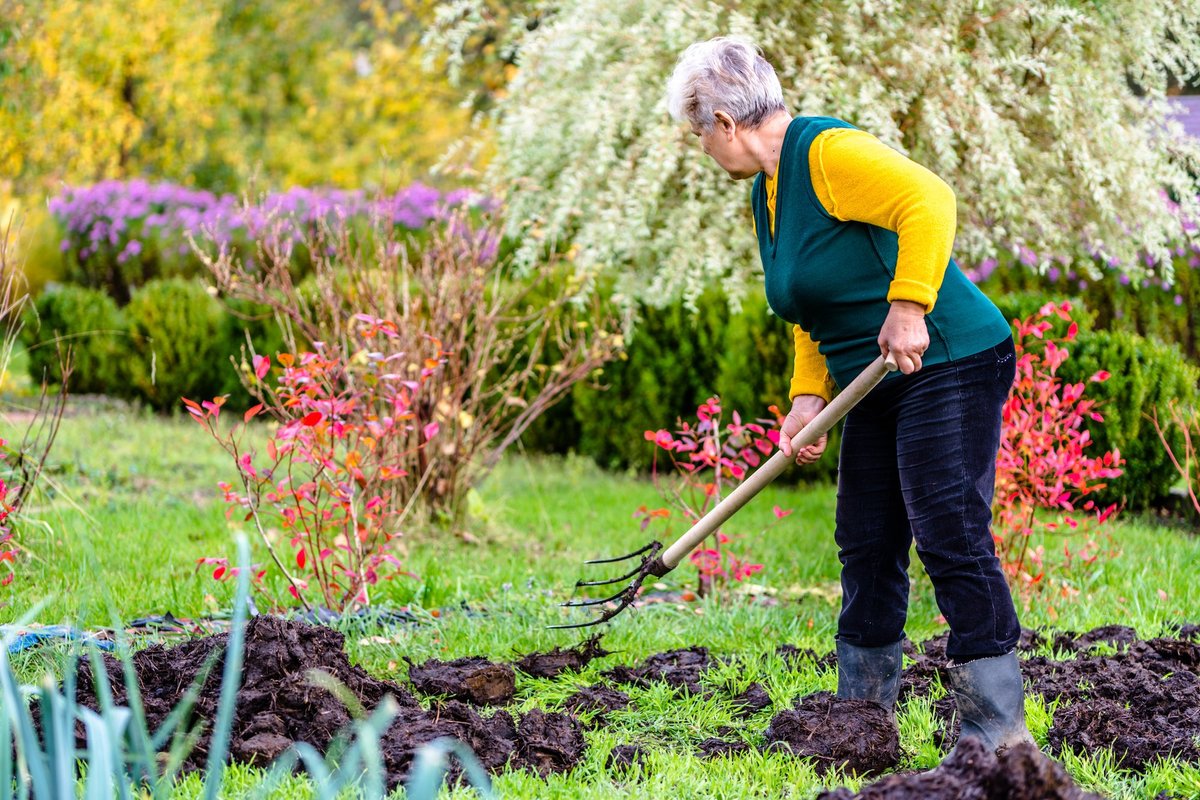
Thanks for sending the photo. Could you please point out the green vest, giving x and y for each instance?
(832, 278)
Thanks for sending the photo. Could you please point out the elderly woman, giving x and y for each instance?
(855, 242)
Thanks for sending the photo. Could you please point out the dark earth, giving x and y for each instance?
(277, 704)
(856, 735)
(1141, 698)
(557, 661)
(972, 772)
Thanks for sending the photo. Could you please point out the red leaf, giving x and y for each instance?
(312, 418)
(262, 365)
(301, 558)
(252, 412)
(218, 573)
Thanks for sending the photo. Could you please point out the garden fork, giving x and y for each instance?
(657, 562)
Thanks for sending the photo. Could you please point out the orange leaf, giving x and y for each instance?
(252, 412)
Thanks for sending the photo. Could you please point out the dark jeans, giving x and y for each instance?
(918, 461)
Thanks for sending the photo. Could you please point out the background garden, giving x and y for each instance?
(428, 302)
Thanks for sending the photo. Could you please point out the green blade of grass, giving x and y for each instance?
(231, 677)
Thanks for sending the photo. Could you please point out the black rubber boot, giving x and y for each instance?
(991, 700)
(870, 673)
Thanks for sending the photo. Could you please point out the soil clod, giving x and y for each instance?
(679, 668)
(753, 700)
(600, 699)
(550, 742)
(472, 680)
(557, 661)
(626, 757)
(856, 735)
(972, 771)
(717, 748)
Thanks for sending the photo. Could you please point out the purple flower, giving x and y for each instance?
(132, 249)
(1053, 274)
(1178, 299)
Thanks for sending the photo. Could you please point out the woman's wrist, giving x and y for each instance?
(909, 307)
(811, 403)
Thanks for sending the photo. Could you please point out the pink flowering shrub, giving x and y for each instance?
(1045, 473)
(327, 492)
(707, 460)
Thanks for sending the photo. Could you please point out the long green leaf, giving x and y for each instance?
(431, 763)
(6, 746)
(231, 678)
(99, 756)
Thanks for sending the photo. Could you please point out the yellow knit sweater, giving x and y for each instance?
(857, 177)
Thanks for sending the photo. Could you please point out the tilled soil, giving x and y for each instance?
(855, 735)
(557, 661)
(600, 699)
(973, 772)
(278, 705)
(471, 680)
(679, 668)
(1142, 702)
(1140, 698)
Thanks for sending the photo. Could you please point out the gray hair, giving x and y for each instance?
(727, 74)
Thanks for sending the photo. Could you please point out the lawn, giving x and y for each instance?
(131, 504)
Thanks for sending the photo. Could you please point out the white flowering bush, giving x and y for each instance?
(1049, 119)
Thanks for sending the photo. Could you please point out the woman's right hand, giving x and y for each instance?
(804, 408)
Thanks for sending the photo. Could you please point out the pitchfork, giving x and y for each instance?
(657, 562)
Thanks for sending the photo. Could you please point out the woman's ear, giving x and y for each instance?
(725, 124)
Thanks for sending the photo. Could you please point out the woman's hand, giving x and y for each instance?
(804, 408)
(904, 335)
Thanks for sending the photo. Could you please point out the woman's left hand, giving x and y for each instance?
(905, 335)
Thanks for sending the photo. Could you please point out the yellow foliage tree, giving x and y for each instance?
(214, 93)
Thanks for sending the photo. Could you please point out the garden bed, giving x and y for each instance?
(1097, 677)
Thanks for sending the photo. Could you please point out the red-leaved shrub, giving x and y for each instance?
(1045, 474)
(708, 460)
(329, 491)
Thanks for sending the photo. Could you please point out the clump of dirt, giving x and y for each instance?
(1119, 636)
(549, 743)
(473, 679)
(600, 699)
(557, 661)
(973, 771)
(625, 757)
(277, 705)
(679, 668)
(753, 700)
(1142, 702)
(856, 735)
(717, 748)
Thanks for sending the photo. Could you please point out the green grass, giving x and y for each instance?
(131, 503)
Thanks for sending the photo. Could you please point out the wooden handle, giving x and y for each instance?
(814, 430)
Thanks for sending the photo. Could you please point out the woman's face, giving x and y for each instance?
(724, 145)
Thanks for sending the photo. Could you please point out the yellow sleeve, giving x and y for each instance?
(809, 376)
(857, 177)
